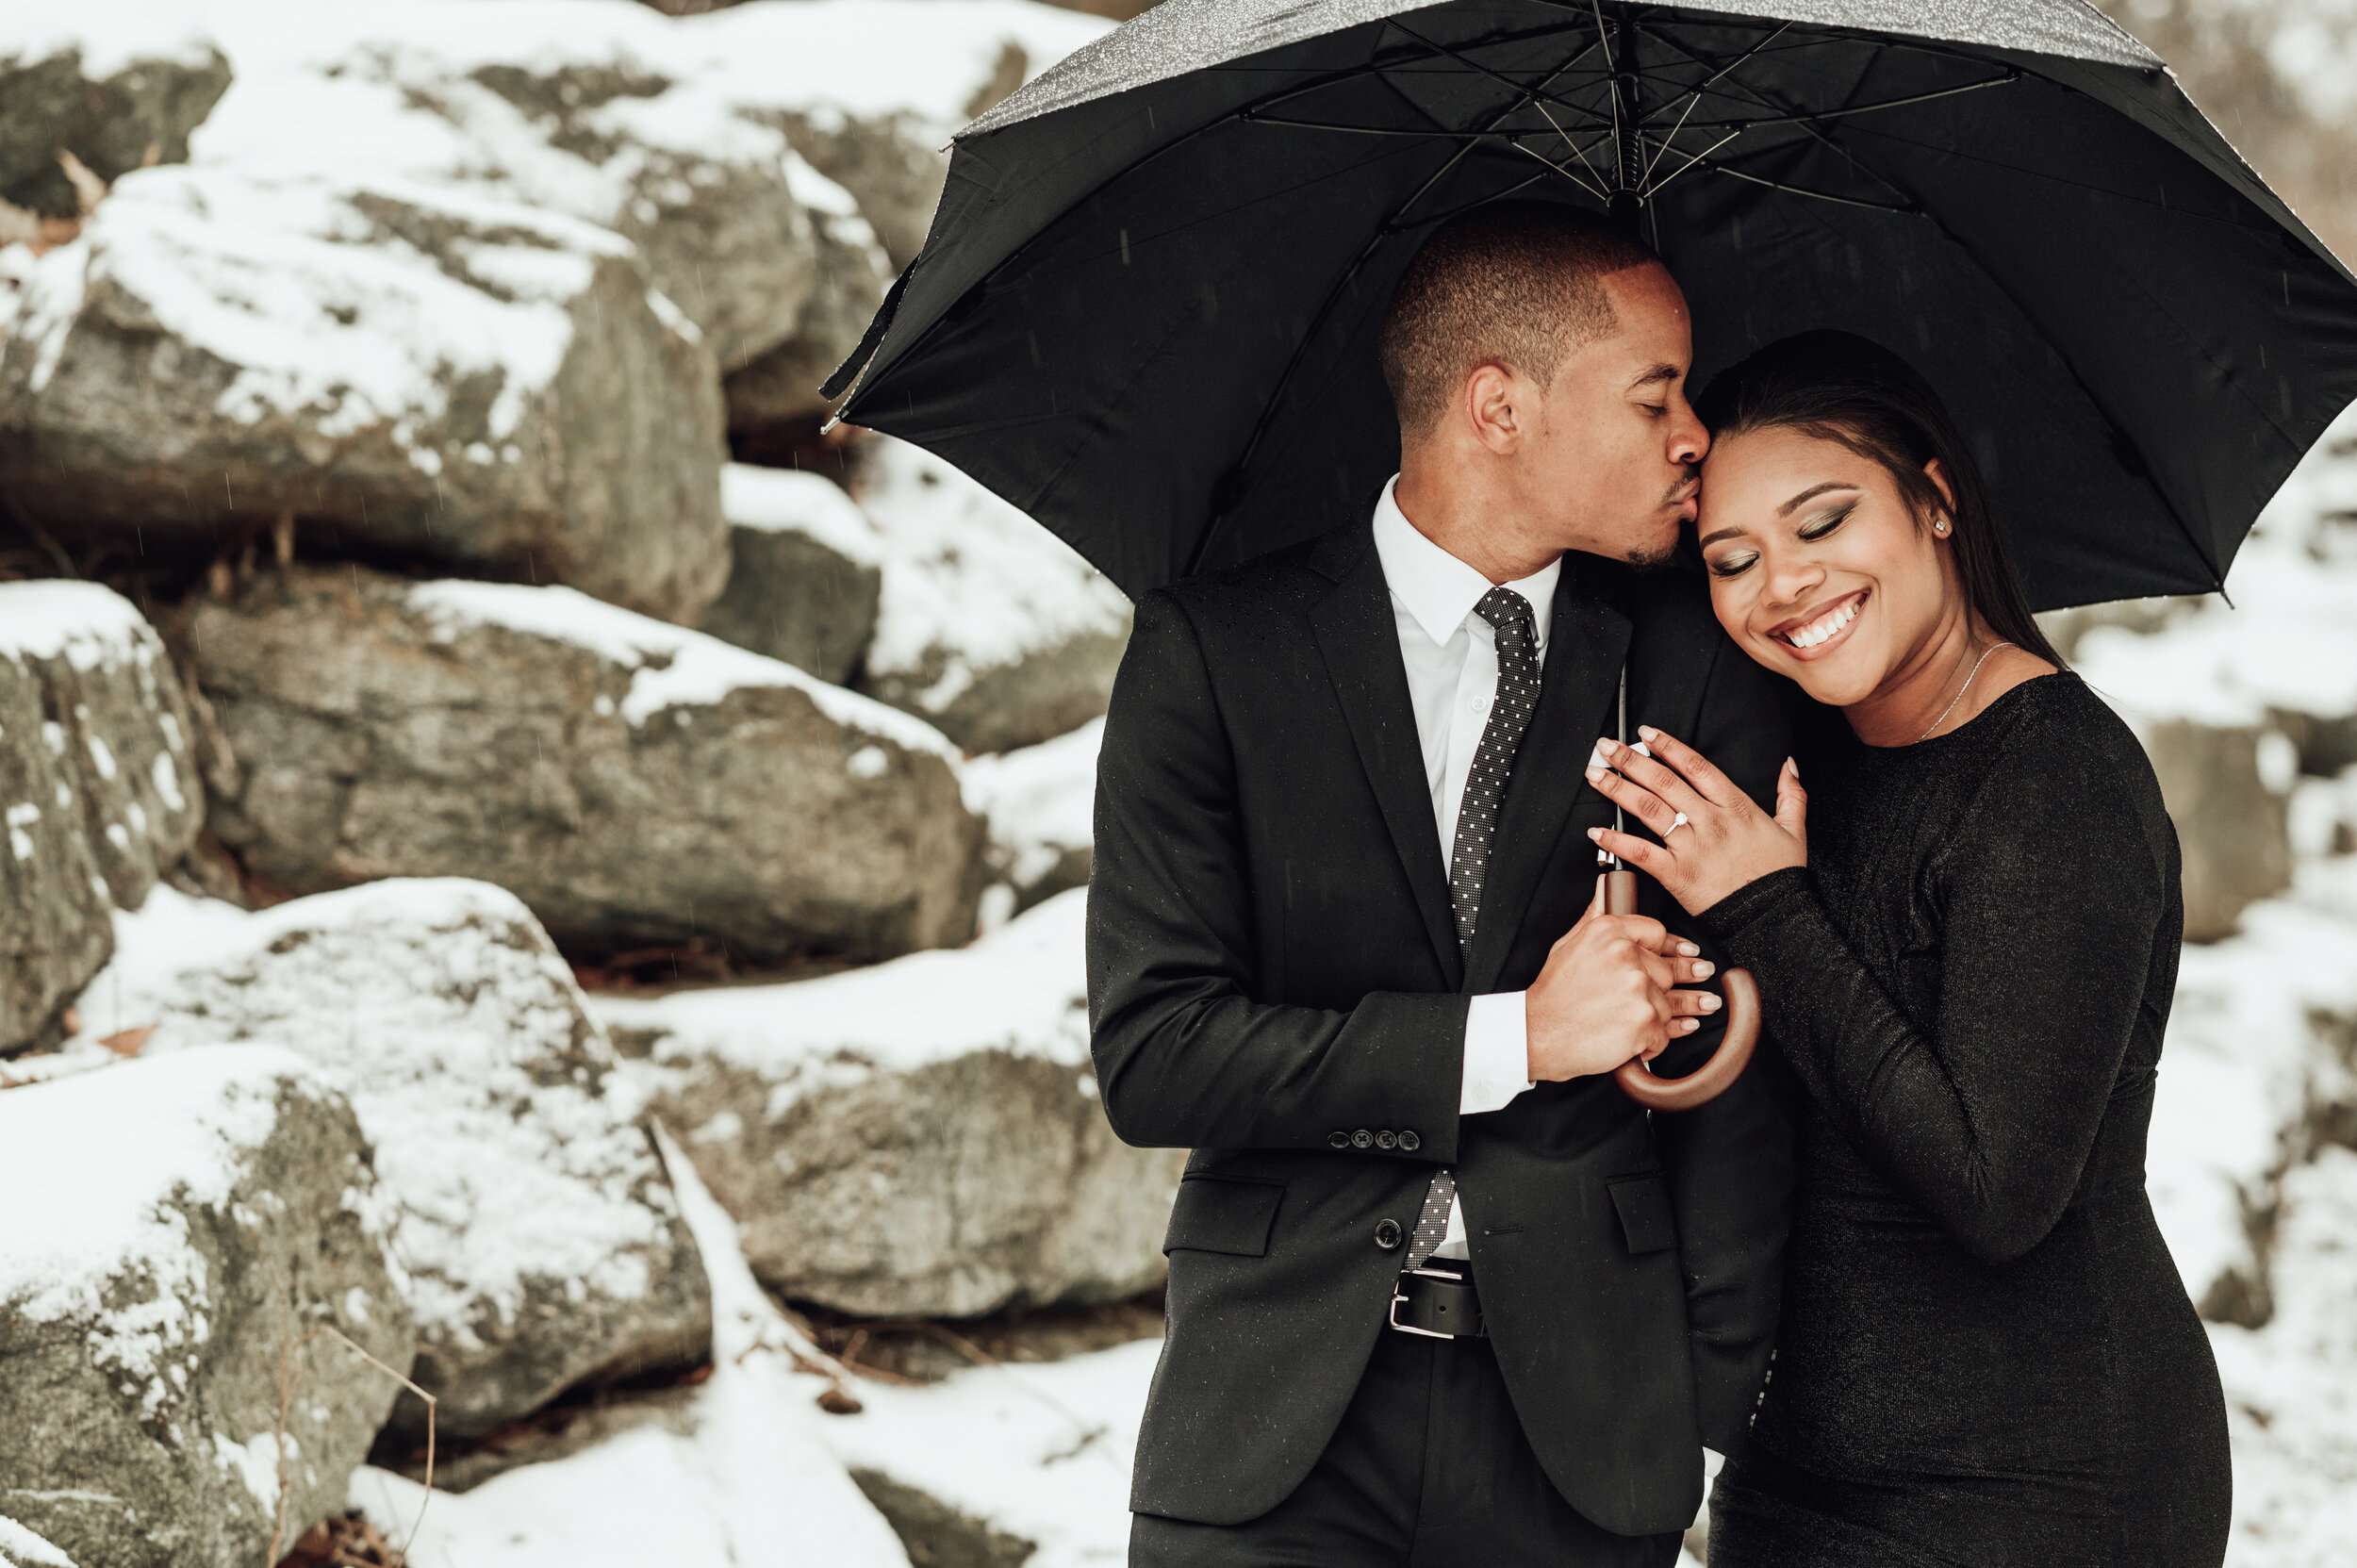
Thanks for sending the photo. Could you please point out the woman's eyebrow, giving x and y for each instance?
(1722, 533)
(1813, 492)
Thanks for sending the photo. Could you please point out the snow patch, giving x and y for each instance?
(91, 626)
(784, 501)
(1040, 800)
(20, 1549)
(674, 668)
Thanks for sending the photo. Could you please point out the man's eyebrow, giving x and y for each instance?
(1813, 492)
(1663, 371)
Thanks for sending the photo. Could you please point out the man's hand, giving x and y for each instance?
(1608, 994)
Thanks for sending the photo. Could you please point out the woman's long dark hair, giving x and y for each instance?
(1839, 387)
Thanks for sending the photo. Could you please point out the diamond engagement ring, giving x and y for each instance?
(1675, 824)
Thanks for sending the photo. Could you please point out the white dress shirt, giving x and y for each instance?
(1452, 662)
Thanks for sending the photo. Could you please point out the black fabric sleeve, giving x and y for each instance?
(1186, 1056)
(2050, 901)
(1730, 1162)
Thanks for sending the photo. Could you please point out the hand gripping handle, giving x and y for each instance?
(1711, 1080)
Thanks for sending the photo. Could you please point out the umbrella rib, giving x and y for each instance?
(1559, 169)
(1693, 94)
(1807, 119)
(1531, 95)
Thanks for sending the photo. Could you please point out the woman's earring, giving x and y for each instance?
(1939, 526)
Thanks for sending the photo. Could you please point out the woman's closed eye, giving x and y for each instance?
(1825, 522)
(1733, 563)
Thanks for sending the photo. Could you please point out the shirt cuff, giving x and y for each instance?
(1497, 1053)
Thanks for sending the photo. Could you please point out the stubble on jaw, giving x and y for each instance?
(1654, 560)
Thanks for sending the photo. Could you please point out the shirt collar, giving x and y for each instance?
(1440, 591)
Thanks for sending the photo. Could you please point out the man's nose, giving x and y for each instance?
(1690, 440)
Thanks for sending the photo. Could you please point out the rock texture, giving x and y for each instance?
(807, 571)
(200, 1222)
(98, 786)
(1039, 802)
(424, 374)
(630, 782)
(922, 1137)
(2232, 823)
(990, 627)
(541, 1240)
(114, 114)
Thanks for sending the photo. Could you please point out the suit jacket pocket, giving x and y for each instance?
(1224, 1213)
(1643, 1202)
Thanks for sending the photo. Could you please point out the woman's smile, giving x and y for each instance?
(1816, 633)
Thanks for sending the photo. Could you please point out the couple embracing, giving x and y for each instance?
(1441, 1292)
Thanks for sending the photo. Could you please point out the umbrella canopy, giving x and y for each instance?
(1147, 308)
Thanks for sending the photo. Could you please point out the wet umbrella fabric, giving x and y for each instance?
(1146, 310)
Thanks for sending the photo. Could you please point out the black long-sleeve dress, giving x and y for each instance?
(1987, 1356)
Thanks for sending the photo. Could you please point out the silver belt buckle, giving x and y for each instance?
(1399, 1296)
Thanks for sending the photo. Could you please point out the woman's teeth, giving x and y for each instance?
(1825, 626)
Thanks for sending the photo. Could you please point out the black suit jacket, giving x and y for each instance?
(1274, 968)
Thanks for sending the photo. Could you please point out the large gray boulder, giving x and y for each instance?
(630, 782)
(806, 573)
(98, 786)
(430, 373)
(2226, 788)
(990, 627)
(920, 1137)
(182, 1232)
(116, 107)
(540, 1238)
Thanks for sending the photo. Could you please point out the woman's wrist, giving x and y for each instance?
(1728, 920)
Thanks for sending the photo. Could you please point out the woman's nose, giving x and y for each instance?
(1792, 577)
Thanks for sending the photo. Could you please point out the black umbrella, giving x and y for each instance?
(1146, 309)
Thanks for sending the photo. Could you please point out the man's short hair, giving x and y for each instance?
(1521, 283)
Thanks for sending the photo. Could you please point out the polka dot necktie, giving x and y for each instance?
(1517, 698)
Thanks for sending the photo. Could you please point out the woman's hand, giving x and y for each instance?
(1713, 839)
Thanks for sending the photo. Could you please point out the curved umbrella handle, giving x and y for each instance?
(1713, 1078)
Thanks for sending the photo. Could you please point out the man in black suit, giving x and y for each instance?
(1441, 1292)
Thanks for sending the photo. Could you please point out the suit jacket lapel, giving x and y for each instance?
(1359, 638)
(1586, 647)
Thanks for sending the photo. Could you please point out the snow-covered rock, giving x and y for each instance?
(414, 368)
(21, 1548)
(990, 627)
(739, 1478)
(112, 85)
(540, 1238)
(923, 1136)
(180, 1235)
(2291, 1387)
(632, 781)
(98, 786)
(806, 573)
(1040, 803)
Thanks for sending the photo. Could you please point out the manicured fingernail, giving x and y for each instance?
(1710, 1005)
(1595, 835)
(1702, 971)
(1648, 732)
(1688, 950)
(1687, 1026)
(1595, 775)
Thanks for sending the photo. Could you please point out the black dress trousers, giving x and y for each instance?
(1429, 1469)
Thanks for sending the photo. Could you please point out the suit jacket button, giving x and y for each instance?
(1387, 1234)
(1362, 1139)
(1409, 1142)
(1338, 1139)
(1387, 1139)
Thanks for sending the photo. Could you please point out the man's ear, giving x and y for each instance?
(1496, 406)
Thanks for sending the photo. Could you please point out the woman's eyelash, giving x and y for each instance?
(1734, 564)
(1817, 527)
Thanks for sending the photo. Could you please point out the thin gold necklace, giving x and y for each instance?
(1960, 691)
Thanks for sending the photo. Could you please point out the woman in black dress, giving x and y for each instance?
(1967, 933)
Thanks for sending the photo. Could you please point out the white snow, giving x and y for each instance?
(786, 501)
(1022, 989)
(92, 626)
(113, 1157)
(968, 575)
(109, 35)
(750, 1484)
(441, 1012)
(674, 667)
(1039, 801)
(20, 1549)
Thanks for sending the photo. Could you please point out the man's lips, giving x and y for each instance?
(1815, 633)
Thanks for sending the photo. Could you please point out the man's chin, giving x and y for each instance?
(1655, 558)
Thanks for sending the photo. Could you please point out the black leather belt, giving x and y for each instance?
(1436, 1305)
